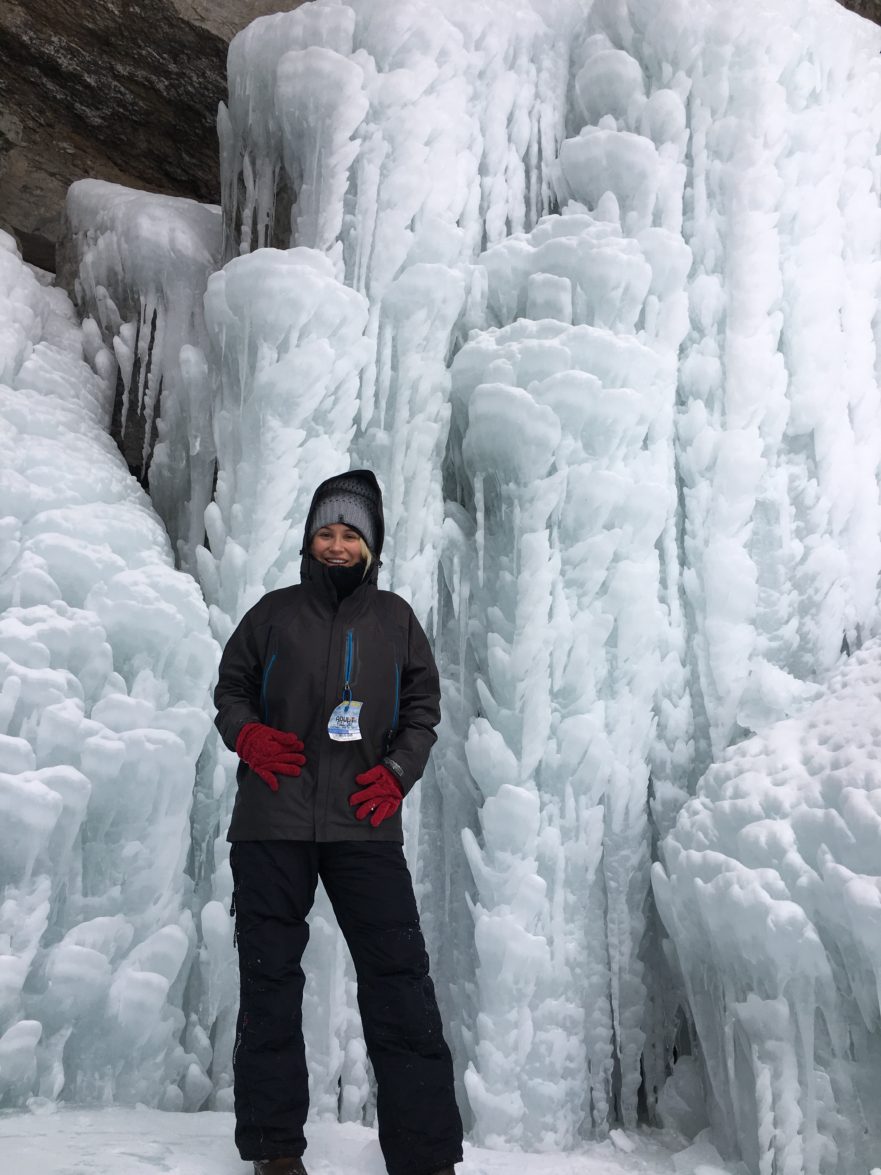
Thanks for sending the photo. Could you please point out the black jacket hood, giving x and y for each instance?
(311, 571)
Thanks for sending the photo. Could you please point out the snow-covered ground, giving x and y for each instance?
(150, 1142)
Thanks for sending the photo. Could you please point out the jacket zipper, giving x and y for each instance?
(348, 665)
(321, 774)
(266, 674)
(393, 729)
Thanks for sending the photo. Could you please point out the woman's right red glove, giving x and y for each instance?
(267, 751)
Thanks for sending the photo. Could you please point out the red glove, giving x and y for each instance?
(381, 795)
(267, 751)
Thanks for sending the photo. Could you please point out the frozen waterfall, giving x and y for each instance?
(595, 289)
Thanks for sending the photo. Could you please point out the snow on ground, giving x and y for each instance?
(150, 1142)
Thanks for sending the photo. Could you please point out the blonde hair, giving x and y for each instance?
(367, 556)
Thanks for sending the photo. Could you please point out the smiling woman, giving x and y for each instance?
(329, 694)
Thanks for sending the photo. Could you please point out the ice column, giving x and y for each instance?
(615, 263)
(628, 152)
(462, 103)
(137, 263)
(287, 342)
(564, 425)
(740, 544)
(106, 659)
(629, 112)
(830, 217)
(294, 101)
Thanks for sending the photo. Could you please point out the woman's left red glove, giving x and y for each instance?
(381, 795)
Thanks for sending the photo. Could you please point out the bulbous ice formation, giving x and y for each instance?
(770, 887)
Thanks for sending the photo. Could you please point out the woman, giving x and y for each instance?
(329, 694)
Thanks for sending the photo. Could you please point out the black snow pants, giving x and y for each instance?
(369, 886)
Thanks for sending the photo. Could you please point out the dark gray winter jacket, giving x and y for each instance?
(285, 665)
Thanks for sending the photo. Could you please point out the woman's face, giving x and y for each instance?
(337, 545)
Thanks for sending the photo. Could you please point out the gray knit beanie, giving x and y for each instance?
(348, 500)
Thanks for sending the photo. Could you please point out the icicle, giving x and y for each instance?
(480, 537)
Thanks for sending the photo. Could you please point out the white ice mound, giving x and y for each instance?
(771, 892)
(105, 662)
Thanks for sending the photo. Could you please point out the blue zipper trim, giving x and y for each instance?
(266, 673)
(397, 697)
(350, 650)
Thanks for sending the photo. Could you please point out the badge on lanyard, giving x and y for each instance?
(344, 723)
(343, 726)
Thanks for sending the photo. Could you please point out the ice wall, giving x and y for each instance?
(106, 659)
(593, 289)
(137, 264)
(771, 889)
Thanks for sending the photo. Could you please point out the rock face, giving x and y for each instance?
(871, 9)
(122, 90)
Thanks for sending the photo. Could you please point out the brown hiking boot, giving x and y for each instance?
(279, 1167)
